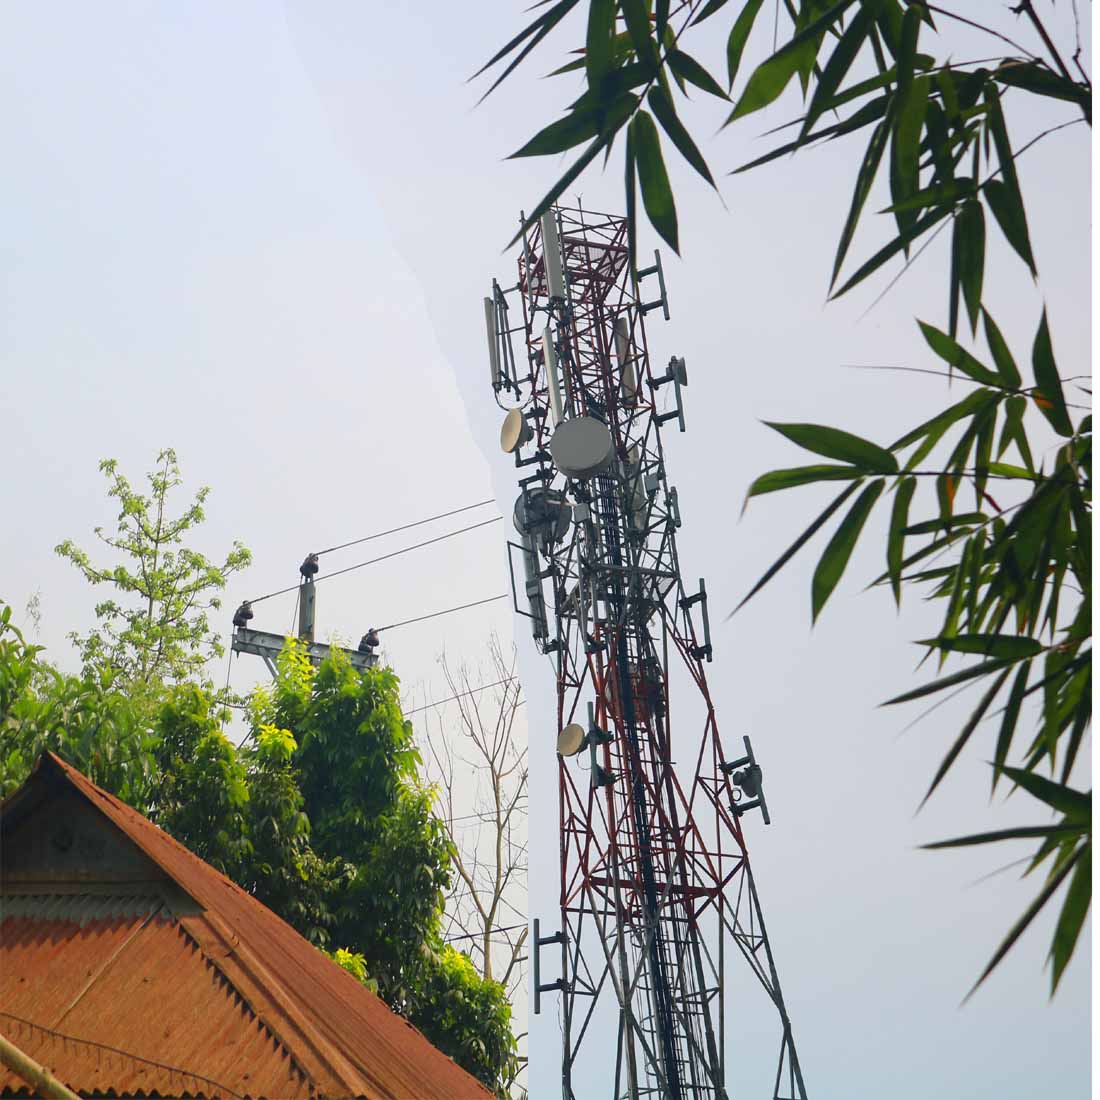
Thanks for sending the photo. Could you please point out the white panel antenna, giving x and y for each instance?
(626, 362)
(491, 336)
(553, 383)
(551, 251)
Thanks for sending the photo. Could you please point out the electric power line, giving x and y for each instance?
(460, 695)
(447, 611)
(481, 935)
(383, 557)
(406, 527)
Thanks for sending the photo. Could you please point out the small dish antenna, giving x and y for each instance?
(582, 447)
(515, 431)
(543, 512)
(571, 739)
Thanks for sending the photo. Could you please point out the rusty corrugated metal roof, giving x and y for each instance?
(131, 1004)
(232, 974)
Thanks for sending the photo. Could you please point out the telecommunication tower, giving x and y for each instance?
(658, 900)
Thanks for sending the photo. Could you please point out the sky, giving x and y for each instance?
(260, 234)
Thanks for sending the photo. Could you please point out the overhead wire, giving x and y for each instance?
(460, 695)
(446, 611)
(381, 557)
(481, 935)
(406, 526)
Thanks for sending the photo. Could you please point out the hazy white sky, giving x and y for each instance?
(260, 234)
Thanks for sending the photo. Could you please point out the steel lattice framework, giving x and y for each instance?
(657, 894)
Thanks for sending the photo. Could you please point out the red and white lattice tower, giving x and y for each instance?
(658, 900)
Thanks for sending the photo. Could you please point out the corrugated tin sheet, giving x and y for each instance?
(137, 985)
(79, 908)
(346, 1041)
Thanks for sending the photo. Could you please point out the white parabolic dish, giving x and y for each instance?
(571, 740)
(582, 447)
(514, 432)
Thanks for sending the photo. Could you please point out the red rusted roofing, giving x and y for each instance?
(231, 993)
(141, 984)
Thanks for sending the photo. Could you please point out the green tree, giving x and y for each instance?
(154, 628)
(1015, 578)
(320, 813)
(85, 718)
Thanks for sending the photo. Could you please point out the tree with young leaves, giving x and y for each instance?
(1015, 571)
(154, 628)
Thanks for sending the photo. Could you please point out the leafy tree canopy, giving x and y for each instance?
(320, 813)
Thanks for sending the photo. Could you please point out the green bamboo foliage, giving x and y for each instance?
(1014, 581)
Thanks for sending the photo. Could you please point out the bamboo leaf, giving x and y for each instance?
(1009, 647)
(868, 169)
(960, 677)
(895, 543)
(1076, 805)
(562, 134)
(937, 194)
(965, 734)
(800, 475)
(889, 251)
(636, 17)
(1008, 720)
(836, 69)
(835, 558)
(954, 354)
(536, 30)
(653, 176)
(662, 107)
(687, 68)
(711, 7)
(938, 424)
(1009, 213)
(1071, 920)
(843, 446)
(907, 132)
(797, 545)
(1022, 832)
(551, 196)
(1022, 924)
(1035, 77)
(1013, 431)
(968, 248)
(1002, 357)
(1049, 384)
(773, 75)
(949, 523)
(739, 35)
(599, 40)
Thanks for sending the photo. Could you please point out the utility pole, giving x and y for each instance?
(268, 646)
(657, 895)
